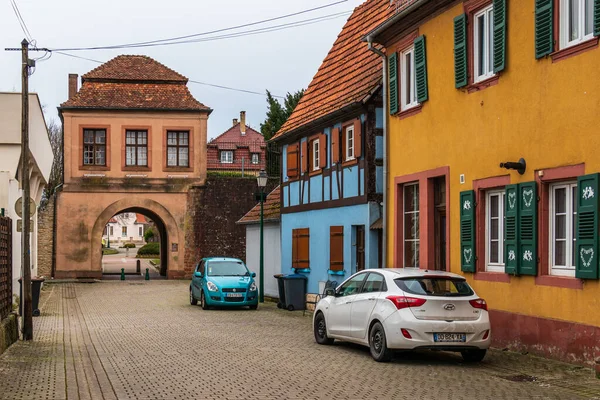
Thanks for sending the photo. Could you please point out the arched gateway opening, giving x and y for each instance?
(134, 240)
(163, 222)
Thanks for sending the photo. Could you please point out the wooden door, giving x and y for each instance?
(360, 248)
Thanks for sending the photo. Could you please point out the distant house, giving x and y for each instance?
(239, 148)
(272, 240)
(41, 158)
(125, 227)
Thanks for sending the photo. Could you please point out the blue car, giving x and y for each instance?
(223, 282)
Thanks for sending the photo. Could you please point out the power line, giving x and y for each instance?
(156, 42)
(21, 21)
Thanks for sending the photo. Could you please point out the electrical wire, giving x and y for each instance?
(136, 44)
(21, 20)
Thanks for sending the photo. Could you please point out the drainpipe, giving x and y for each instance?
(384, 247)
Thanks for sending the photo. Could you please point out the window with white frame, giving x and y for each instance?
(124, 231)
(483, 44)
(349, 143)
(563, 214)
(411, 225)
(141, 231)
(494, 231)
(408, 83)
(227, 157)
(255, 158)
(576, 22)
(315, 154)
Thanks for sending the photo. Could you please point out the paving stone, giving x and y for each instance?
(142, 340)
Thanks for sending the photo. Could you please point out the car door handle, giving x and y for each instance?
(372, 298)
(348, 302)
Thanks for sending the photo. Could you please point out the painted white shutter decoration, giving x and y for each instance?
(467, 205)
(587, 252)
(512, 200)
(528, 255)
(588, 193)
(528, 197)
(511, 255)
(468, 253)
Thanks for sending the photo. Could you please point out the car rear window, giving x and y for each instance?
(435, 286)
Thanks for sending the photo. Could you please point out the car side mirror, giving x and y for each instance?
(330, 292)
(253, 274)
(198, 274)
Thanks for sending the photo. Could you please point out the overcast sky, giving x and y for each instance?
(281, 61)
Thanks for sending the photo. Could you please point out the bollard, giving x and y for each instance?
(137, 267)
(122, 274)
(147, 278)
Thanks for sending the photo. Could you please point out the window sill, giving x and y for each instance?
(492, 277)
(94, 168)
(178, 169)
(301, 270)
(574, 50)
(136, 168)
(338, 273)
(410, 112)
(349, 163)
(476, 87)
(315, 172)
(559, 281)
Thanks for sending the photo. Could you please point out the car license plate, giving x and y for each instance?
(235, 295)
(449, 337)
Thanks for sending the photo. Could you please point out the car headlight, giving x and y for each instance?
(211, 286)
(253, 287)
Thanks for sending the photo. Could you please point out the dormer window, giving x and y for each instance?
(255, 158)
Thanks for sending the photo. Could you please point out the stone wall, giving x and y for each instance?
(9, 332)
(213, 210)
(45, 238)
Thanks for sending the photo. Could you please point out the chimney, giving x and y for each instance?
(235, 121)
(72, 85)
(243, 122)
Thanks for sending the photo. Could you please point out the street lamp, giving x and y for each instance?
(262, 182)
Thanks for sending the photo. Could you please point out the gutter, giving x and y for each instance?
(371, 37)
(384, 245)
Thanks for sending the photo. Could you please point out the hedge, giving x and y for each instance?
(149, 249)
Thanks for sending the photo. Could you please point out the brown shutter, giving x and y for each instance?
(301, 257)
(304, 156)
(322, 151)
(335, 145)
(336, 248)
(357, 138)
(292, 160)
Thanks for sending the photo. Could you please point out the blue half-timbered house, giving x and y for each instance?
(332, 164)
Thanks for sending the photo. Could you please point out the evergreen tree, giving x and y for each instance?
(278, 114)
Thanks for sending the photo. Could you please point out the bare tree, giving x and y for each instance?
(55, 134)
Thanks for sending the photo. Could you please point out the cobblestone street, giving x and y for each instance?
(142, 340)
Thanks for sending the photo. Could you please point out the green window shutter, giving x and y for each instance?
(421, 69)
(596, 17)
(393, 77)
(544, 27)
(511, 229)
(586, 245)
(460, 51)
(499, 35)
(467, 231)
(528, 208)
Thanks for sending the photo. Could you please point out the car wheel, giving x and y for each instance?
(193, 300)
(254, 307)
(203, 301)
(378, 344)
(473, 355)
(320, 330)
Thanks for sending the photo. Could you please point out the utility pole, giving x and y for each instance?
(26, 256)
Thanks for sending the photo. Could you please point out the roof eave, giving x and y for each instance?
(74, 108)
(253, 222)
(373, 36)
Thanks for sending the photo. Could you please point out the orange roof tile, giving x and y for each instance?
(134, 82)
(349, 73)
(271, 209)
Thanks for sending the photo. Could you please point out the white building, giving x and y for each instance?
(40, 165)
(272, 241)
(125, 227)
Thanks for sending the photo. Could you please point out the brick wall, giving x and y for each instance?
(45, 238)
(213, 210)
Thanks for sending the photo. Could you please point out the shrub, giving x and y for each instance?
(149, 249)
(128, 246)
(148, 235)
(109, 251)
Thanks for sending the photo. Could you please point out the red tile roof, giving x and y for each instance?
(271, 209)
(133, 68)
(233, 138)
(349, 73)
(140, 219)
(136, 83)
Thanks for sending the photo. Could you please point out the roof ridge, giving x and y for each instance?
(103, 72)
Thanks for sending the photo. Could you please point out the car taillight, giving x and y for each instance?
(479, 303)
(486, 334)
(405, 333)
(404, 302)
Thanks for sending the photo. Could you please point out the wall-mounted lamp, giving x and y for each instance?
(519, 166)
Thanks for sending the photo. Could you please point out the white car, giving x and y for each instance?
(405, 309)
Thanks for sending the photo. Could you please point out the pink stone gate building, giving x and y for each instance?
(134, 141)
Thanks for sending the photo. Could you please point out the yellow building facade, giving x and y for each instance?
(476, 84)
